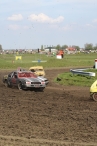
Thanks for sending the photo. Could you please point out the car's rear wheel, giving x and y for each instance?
(95, 96)
(9, 84)
(20, 86)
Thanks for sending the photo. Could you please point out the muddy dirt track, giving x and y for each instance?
(59, 116)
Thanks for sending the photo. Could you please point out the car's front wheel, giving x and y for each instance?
(41, 89)
(95, 96)
(20, 86)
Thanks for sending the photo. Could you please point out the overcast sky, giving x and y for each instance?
(28, 24)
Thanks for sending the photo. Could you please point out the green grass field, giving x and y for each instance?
(7, 61)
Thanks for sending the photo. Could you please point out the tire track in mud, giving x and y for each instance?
(21, 141)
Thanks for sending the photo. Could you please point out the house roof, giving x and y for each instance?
(71, 49)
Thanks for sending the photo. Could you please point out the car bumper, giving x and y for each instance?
(34, 86)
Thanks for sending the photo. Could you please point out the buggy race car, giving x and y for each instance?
(38, 70)
(25, 80)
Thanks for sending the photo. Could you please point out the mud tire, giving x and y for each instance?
(20, 86)
(95, 96)
(41, 89)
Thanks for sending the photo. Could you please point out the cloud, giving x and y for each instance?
(42, 18)
(75, 1)
(17, 27)
(25, 27)
(90, 26)
(95, 21)
(62, 28)
(67, 28)
(15, 17)
(14, 27)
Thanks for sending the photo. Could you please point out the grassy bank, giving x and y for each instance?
(75, 80)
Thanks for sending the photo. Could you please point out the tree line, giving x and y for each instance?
(87, 47)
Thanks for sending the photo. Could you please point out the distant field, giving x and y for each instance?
(81, 60)
(7, 61)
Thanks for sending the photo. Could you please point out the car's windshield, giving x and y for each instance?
(39, 70)
(26, 74)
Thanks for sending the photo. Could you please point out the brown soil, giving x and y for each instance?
(59, 116)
